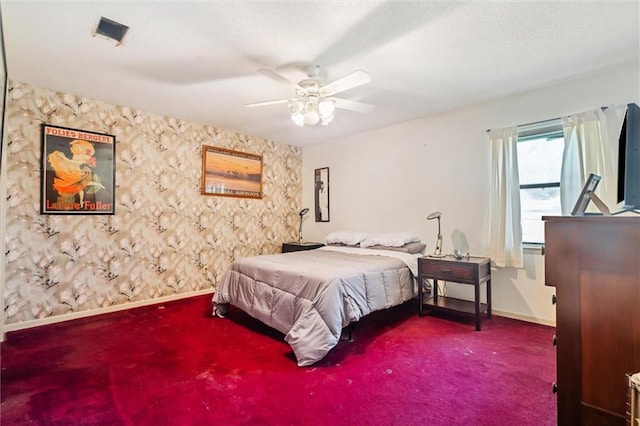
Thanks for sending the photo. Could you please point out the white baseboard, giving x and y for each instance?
(84, 314)
(513, 315)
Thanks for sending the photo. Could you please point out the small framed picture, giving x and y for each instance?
(229, 173)
(322, 194)
(78, 172)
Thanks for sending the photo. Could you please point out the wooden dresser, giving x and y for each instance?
(594, 264)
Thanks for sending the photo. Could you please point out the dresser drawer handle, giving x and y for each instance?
(446, 271)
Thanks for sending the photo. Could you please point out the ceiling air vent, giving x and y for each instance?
(111, 29)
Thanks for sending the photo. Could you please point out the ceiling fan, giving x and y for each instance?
(314, 101)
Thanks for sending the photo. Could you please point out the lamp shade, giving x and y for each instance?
(311, 117)
(298, 118)
(438, 250)
(326, 107)
(301, 213)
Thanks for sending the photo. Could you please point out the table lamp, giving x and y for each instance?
(438, 251)
(302, 213)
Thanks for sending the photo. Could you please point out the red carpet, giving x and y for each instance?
(173, 364)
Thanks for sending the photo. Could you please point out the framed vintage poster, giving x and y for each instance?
(322, 194)
(231, 173)
(3, 89)
(78, 171)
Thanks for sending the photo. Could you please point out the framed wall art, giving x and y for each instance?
(3, 88)
(230, 173)
(322, 194)
(78, 171)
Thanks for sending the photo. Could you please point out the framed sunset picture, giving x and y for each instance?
(230, 173)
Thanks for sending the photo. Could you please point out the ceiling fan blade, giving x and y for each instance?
(278, 78)
(353, 105)
(265, 103)
(349, 81)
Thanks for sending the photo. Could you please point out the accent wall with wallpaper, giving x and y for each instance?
(165, 240)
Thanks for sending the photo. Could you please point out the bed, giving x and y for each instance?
(311, 296)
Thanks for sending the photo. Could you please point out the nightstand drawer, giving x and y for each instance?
(443, 270)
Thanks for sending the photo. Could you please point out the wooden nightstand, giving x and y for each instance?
(296, 246)
(473, 271)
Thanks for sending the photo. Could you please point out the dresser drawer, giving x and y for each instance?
(443, 270)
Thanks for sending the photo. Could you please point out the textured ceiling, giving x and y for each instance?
(198, 61)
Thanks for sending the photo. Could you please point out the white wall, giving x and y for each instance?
(392, 178)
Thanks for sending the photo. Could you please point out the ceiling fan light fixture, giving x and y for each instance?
(311, 111)
(314, 102)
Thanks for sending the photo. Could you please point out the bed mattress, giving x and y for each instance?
(310, 296)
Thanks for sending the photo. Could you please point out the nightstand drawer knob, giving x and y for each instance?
(553, 299)
(554, 388)
(555, 340)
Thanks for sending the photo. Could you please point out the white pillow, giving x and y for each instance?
(350, 238)
(394, 239)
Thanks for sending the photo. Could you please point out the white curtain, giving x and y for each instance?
(590, 146)
(505, 226)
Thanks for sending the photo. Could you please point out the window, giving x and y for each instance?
(540, 148)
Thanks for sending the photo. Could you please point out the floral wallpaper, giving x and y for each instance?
(164, 239)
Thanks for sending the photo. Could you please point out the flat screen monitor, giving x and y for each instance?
(629, 161)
